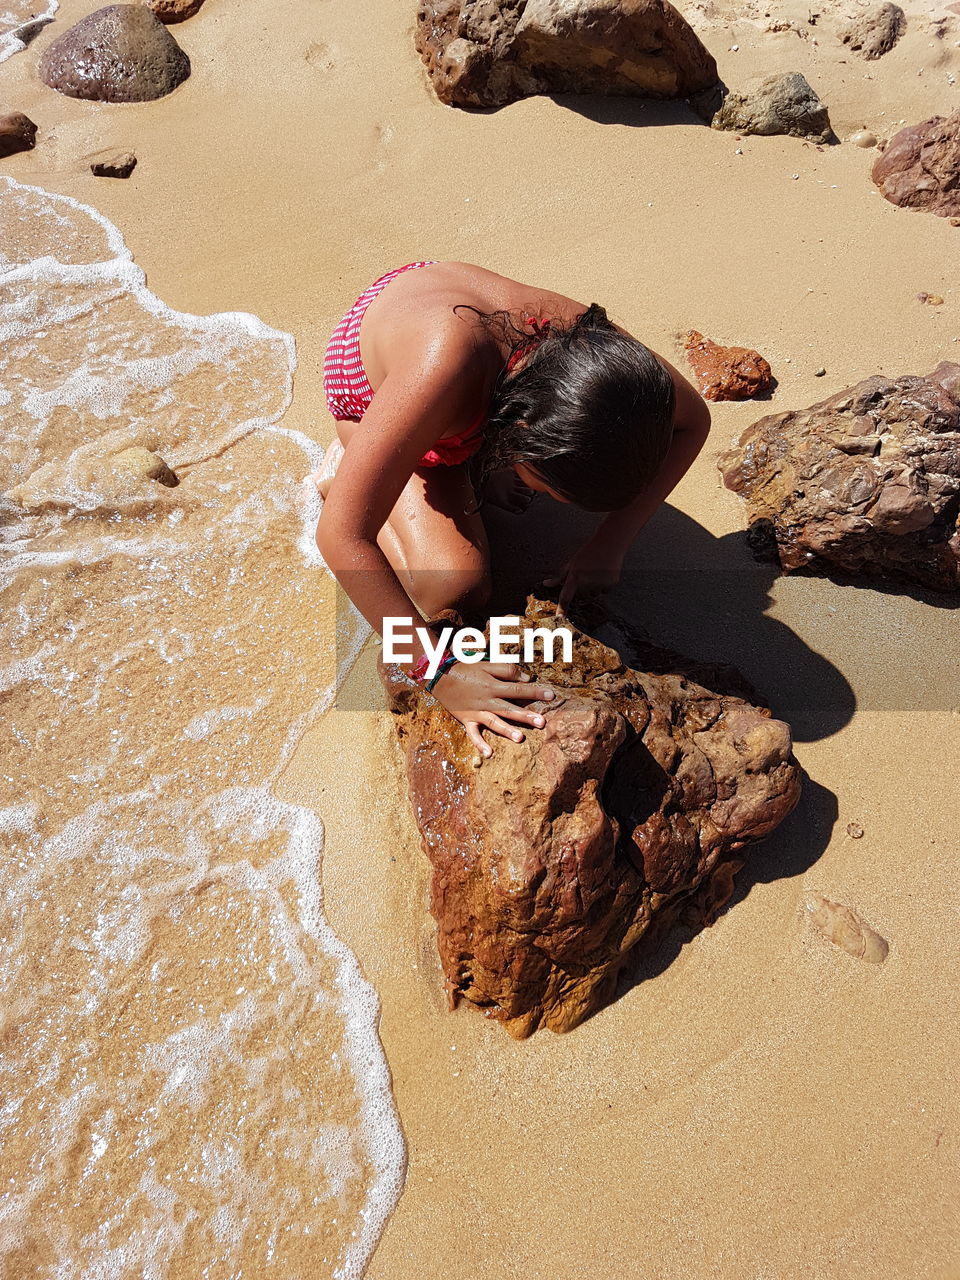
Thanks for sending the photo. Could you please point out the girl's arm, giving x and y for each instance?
(600, 559)
(412, 409)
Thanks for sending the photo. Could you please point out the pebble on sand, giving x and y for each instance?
(931, 299)
(863, 138)
(17, 133)
(174, 10)
(116, 164)
(854, 831)
(726, 373)
(845, 929)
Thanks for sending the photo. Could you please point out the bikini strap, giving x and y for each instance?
(540, 330)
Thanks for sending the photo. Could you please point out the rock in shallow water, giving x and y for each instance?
(864, 483)
(486, 53)
(626, 813)
(17, 133)
(777, 105)
(726, 373)
(118, 54)
(920, 168)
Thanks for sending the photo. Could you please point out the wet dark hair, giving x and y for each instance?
(590, 411)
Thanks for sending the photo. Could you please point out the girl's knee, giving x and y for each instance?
(466, 590)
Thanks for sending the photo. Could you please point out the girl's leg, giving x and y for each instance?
(437, 550)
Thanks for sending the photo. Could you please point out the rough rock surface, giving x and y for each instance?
(866, 482)
(777, 105)
(17, 133)
(114, 164)
(875, 32)
(626, 813)
(486, 53)
(920, 168)
(122, 53)
(174, 10)
(726, 373)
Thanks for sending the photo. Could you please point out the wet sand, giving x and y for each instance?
(761, 1105)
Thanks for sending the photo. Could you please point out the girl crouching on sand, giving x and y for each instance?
(449, 383)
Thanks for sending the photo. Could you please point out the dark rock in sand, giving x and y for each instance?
(122, 53)
(777, 105)
(726, 373)
(875, 32)
(920, 168)
(17, 133)
(627, 813)
(486, 53)
(864, 483)
(118, 164)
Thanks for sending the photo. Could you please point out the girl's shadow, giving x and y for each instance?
(701, 595)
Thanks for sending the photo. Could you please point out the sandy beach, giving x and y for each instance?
(756, 1104)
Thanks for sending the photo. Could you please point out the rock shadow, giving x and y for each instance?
(787, 852)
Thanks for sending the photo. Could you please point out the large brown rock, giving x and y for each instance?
(920, 168)
(627, 812)
(485, 53)
(866, 482)
(122, 53)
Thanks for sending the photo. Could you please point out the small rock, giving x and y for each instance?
(144, 464)
(955, 222)
(863, 138)
(931, 299)
(174, 10)
(122, 53)
(119, 164)
(726, 373)
(844, 928)
(854, 831)
(920, 168)
(874, 33)
(17, 133)
(777, 105)
(820, 373)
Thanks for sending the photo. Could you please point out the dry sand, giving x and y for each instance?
(762, 1105)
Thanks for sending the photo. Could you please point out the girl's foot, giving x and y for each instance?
(506, 490)
(323, 478)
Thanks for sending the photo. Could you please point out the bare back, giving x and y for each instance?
(416, 312)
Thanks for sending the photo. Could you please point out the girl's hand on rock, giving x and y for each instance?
(483, 695)
(583, 573)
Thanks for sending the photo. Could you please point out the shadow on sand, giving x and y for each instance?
(701, 595)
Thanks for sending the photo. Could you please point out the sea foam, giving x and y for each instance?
(193, 1082)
